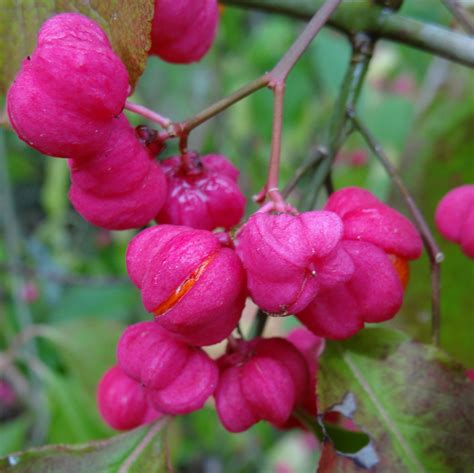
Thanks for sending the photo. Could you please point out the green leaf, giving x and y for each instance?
(127, 23)
(138, 451)
(90, 348)
(13, 434)
(411, 399)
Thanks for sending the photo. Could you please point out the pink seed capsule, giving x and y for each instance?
(122, 401)
(455, 217)
(202, 192)
(183, 30)
(194, 286)
(373, 294)
(68, 90)
(119, 168)
(177, 378)
(289, 258)
(366, 218)
(132, 209)
(259, 380)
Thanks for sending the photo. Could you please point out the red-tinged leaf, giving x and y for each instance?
(414, 402)
(138, 451)
(332, 462)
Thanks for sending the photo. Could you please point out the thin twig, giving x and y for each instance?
(378, 22)
(460, 15)
(329, 184)
(340, 127)
(320, 153)
(285, 65)
(272, 184)
(191, 123)
(434, 253)
(278, 76)
(148, 114)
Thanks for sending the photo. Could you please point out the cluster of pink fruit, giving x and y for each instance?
(335, 269)
(261, 379)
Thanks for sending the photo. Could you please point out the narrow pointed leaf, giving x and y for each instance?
(136, 451)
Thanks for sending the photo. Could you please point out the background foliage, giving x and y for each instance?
(422, 110)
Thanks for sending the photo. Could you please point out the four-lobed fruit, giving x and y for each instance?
(290, 258)
(183, 30)
(202, 192)
(176, 378)
(194, 286)
(261, 379)
(122, 401)
(375, 236)
(454, 217)
(68, 91)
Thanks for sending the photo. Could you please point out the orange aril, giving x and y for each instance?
(401, 267)
(183, 288)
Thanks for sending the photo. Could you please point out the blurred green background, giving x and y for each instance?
(73, 281)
